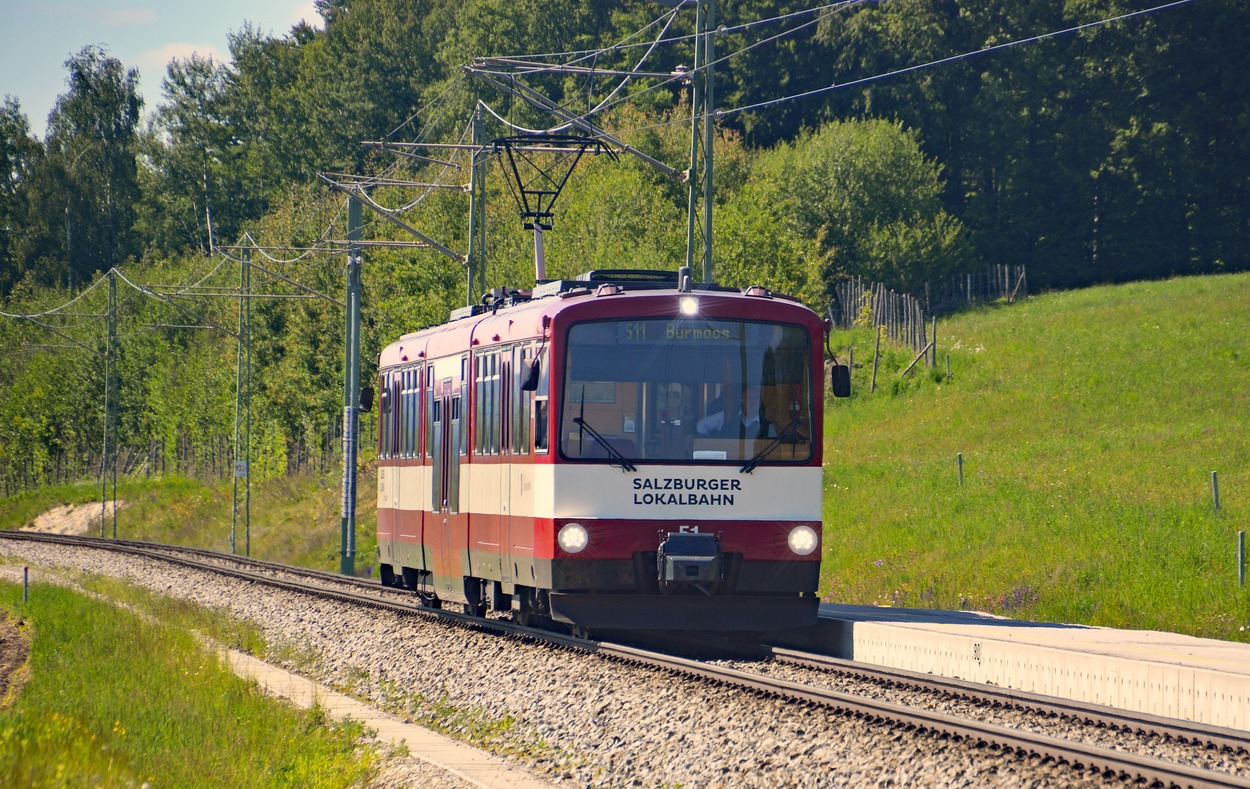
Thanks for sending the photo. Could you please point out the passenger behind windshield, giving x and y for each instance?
(747, 420)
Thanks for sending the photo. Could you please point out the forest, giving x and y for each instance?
(1092, 141)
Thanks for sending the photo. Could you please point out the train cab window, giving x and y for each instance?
(687, 390)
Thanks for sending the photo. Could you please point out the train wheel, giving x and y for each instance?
(429, 600)
(582, 632)
(388, 575)
(475, 597)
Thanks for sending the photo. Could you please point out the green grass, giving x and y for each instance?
(1089, 423)
(119, 698)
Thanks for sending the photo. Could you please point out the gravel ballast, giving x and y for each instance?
(571, 717)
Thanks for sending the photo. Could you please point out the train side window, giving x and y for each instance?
(540, 425)
(541, 415)
(401, 417)
(410, 420)
(464, 398)
(519, 414)
(477, 404)
(418, 376)
(436, 455)
(429, 413)
(453, 469)
(505, 401)
(494, 403)
(384, 402)
(397, 406)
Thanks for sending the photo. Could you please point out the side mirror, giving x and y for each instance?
(530, 384)
(366, 399)
(840, 380)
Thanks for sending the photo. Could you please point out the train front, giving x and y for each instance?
(686, 464)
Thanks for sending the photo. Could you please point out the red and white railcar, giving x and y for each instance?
(560, 454)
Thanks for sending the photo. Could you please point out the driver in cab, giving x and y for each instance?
(747, 422)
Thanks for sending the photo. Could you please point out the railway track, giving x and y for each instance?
(1087, 760)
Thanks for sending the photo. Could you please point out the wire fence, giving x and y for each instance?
(907, 319)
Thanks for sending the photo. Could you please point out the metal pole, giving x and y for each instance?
(959, 461)
(474, 207)
(351, 393)
(709, 58)
(116, 389)
(696, 99)
(109, 423)
(1215, 490)
(247, 425)
(104, 450)
(238, 407)
(26, 584)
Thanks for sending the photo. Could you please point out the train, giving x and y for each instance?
(623, 450)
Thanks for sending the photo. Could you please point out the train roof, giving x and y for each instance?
(506, 316)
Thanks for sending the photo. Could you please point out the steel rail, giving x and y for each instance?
(1189, 732)
(1111, 764)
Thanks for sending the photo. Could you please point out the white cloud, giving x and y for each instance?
(308, 13)
(120, 17)
(72, 14)
(153, 62)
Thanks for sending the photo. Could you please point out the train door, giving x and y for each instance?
(406, 392)
(506, 451)
(445, 499)
(518, 565)
(387, 473)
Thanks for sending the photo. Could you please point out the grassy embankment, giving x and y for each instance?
(115, 697)
(1089, 424)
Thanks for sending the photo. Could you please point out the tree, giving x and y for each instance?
(870, 195)
(193, 188)
(85, 189)
(19, 152)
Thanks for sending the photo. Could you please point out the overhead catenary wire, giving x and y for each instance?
(951, 59)
(576, 119)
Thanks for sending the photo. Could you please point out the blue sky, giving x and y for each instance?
(38, 36)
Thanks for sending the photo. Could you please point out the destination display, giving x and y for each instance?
(680, 330)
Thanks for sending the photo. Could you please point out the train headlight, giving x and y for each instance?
(803, 540)
(573, 537)
(689, 305)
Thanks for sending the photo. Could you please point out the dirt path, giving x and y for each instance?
(14, 649)
(71, 519)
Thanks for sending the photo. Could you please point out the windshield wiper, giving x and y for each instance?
(613, 455)
(776, 442)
